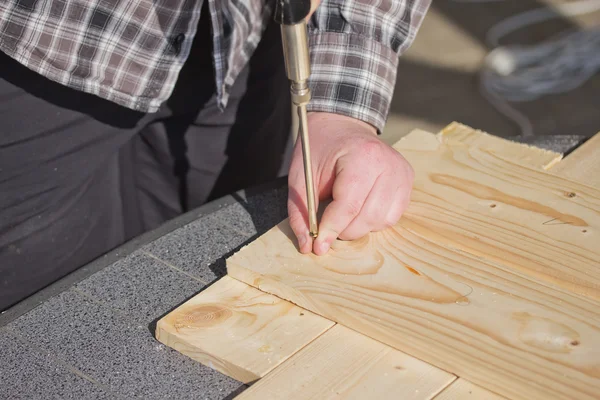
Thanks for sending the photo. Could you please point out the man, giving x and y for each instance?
(118, 115)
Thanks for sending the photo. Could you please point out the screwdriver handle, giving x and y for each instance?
(291, 12)
(291, 15)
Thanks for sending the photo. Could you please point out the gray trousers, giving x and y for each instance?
(80, 175)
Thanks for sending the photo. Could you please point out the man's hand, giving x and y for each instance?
(368, 181)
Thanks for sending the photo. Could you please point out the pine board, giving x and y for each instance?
(583, 164)
(467, 316)
(343, 364)
(453, 134)
(523, 154)
(239, 330)
(484, 320)
(476, 201)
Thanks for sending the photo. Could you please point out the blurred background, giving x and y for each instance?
(440, 76)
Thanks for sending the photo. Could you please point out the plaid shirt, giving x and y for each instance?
(131, 51)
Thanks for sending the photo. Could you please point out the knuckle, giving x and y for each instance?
(394, 215)
(384, 220)
(371, 149)
(353, 208)
(405, 168)
(390, 220)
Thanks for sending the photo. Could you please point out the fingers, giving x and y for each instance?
(368, 205)
(297, 210)
(401, 197)
(374, 214)
(349, 195)
(369, 183)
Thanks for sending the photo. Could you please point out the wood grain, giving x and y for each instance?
(519, 153)
(478, 202)
(343, 364)
(583, 164)
(239, 330)
(440, 285)
(478, 320)
(524, 155)
(462, 389)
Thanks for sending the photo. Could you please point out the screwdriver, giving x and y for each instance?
(291, 15)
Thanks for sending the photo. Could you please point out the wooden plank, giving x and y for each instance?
(489, 324)
(522, 154)
(343, 364)
(472, 200)
(462, 389)
(425, 291)
(583, 164)
(525, 155)
(519, 153)
(239, 330)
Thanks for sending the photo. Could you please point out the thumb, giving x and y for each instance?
(349, 195)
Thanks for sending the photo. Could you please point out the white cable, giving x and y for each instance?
(525, 18)
(519, 73)
(523, 73)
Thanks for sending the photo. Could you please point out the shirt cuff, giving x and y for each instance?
(351, 75)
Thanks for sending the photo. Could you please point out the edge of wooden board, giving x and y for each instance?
(239, 330)
(583, 164)
(343, 363)
(457, 132)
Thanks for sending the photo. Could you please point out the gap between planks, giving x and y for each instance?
(249, 335)
(238, 330)
(343, 364)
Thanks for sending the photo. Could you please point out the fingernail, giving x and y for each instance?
(301, 240)
(325, 247)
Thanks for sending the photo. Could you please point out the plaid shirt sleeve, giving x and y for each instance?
(354, 49)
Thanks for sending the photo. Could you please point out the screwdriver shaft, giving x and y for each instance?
(310, 190)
